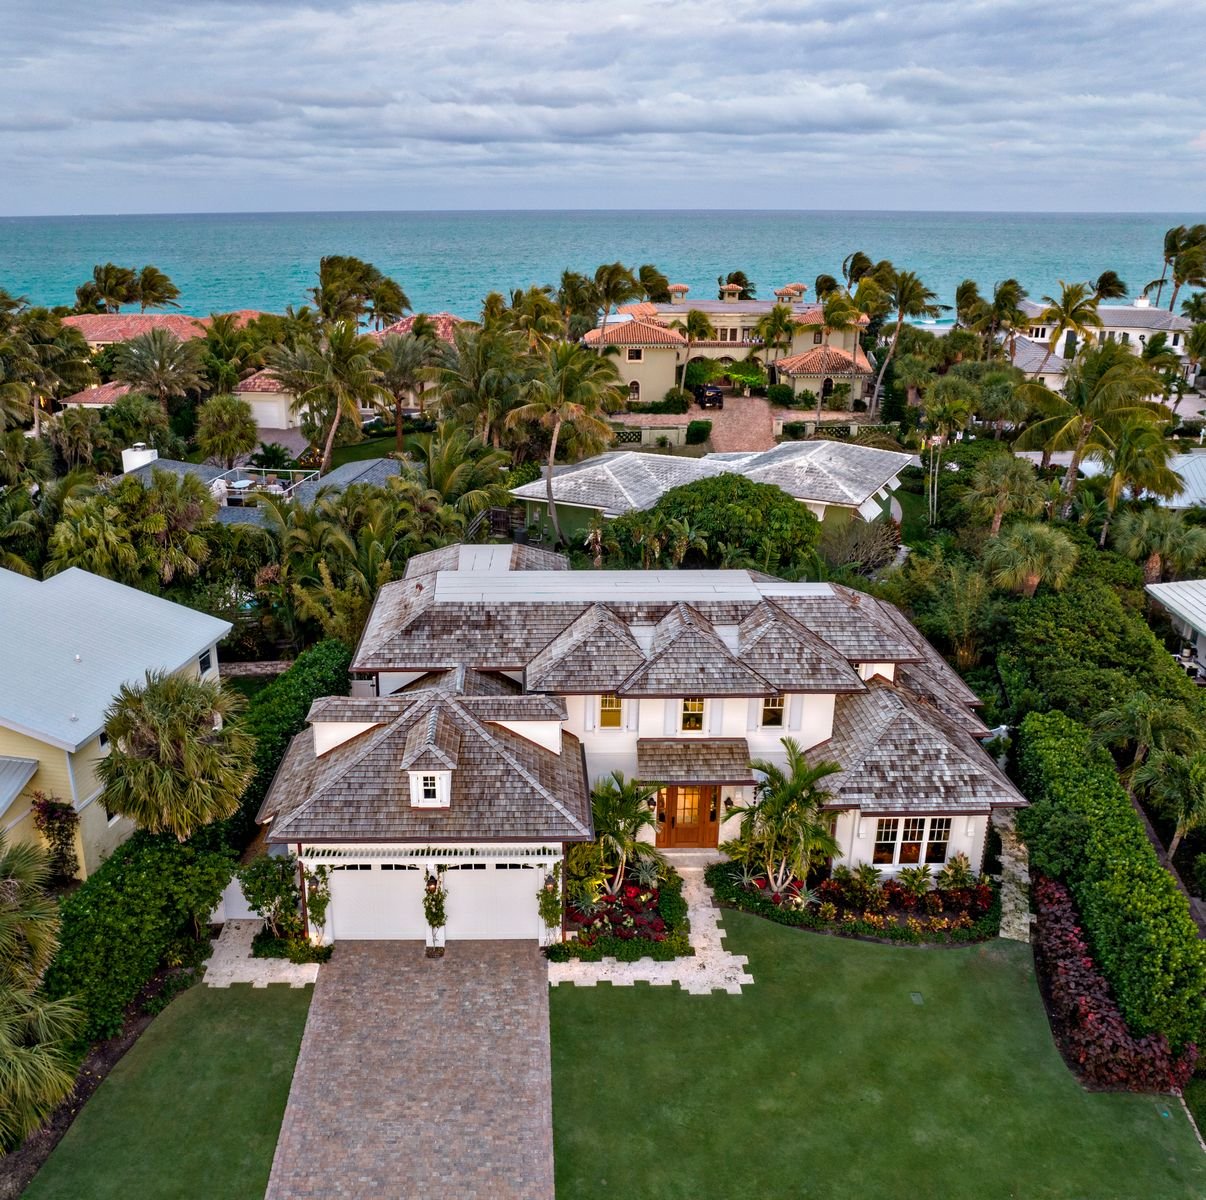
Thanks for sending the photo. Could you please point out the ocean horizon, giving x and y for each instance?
(448, 260)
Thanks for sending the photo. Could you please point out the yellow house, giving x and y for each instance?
(68, 645)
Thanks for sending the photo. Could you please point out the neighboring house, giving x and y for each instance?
(1030, 355)
(444, 324)
(271, 403)
(1185, 603)
(1191, 467)
(99, 395)
(650, 353)
(492, 688)
(70, 642)
(107, 329)
(831, 478)
(1130, 324)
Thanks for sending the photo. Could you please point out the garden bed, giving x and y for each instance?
(859, 906)
(642, 920)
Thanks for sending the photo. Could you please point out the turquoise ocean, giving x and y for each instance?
(450, 260)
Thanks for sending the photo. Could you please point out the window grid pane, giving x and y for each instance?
(885, 839)
(940, 835)
(910, 842)
(772, 711)
(609, 712)
(693, 709)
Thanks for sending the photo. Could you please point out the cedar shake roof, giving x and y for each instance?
(503, 786)
(98, 395)
(899, 754)
(853, 623)
(445, 324)
(689, 659)
(264, 382)
(634, 333)
(485, 558)
(824, 360)
(695, 760)
(464, 681)
(790, 656)
(594, 653)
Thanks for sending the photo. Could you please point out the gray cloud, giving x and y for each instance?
(218, 104)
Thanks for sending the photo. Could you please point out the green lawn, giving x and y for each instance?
(377, 447)
(193, 1109)
(825, 1081)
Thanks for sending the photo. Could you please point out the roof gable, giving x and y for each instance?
(596, 652)
(781, 650)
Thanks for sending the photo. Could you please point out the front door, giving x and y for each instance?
(688, 817)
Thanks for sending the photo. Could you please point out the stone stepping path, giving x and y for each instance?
(712, 968)
(231, 961)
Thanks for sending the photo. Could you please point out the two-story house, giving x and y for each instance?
(494, 688)
(651, 348)
(69, 644)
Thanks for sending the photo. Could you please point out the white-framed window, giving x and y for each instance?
(634, 392)
(430, 789)
(818, 338)
(691, 715)
(635, 354)
(611, 711)
(773, 712)
(103, 739)
(909, 841)
(205, 662)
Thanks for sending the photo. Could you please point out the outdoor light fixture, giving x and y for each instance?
(728, 804)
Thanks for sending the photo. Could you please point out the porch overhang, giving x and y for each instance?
(694, 761)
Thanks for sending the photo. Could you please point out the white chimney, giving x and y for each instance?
(1143, 302)
(138, 455)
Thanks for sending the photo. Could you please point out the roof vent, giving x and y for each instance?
(73, 717)
(78, 659)
(1143, 302)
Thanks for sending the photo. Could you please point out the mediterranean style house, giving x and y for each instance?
(107, 329)
(651, 348)
(72, 641)
(835, 480)
(493, 688)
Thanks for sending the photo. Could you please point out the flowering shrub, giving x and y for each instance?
(1087, 1021)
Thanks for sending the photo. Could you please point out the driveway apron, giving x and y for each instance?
(422, 1077)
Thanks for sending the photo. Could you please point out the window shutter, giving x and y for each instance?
(715, 716)
(752, 718)
(632, 715)
(590, 706)
(670, 726)
(795, 711)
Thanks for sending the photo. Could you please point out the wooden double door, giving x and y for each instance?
(688, 816)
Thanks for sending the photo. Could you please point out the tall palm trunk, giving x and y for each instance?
(1163, 276)
(998, 515)
(879, 379)
(1153, 567)
(1172, 303)
(1074, 470)
(399, 442)
(1176, 841)
(329, 445)
(548, 483)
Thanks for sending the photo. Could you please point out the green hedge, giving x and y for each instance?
(698, 432)
(676, 402)
(277, 713)
(1081, 826)
(118, 926)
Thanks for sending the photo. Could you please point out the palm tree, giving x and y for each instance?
(573, 390)
(1195, 308)
(913, 374)
(948, 408)
(968, 303)
(155, 290)
(1028, 554)
(75, 432)
(92, 534)
(177, 759)
(697, 327)
(47, 357)
(776, 329)
(405, 361)
(1173, 239)
(854, 266)
(1195, 345)
(333, 380)
(29, 917)
(23, 460)
(1142, 723)
(740, 278)
(1136, 457)
(681, 537)
(910, 298)
(838, 314)
(159, 364)
(1074, 312)
(1106, 386)
(1003, 484)
(111, 286)
(460, 470)
(231, 350)
(614, 284)
(654, 284)
(1109, 286)
(823, 285)
(1161, 540)
(480, 377)
(226, 429)
(1176, 784)
(1189, 264)
(386, 302)
(622, 813)
(535, 314)
(1004, 315)
(786, 829)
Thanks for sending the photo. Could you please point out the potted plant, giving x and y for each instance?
(435, 912)
(548, 900)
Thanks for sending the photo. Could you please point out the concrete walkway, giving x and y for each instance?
(712, 968)
(422, 1077)
(231, 961)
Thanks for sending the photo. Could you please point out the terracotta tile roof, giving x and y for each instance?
(103, 394)
(731, 287)
(899, 754)
(639, 308)
(503, 786)
(445, 324)
(106, 328)
(823, 360)
(634, 333)
(695, 760)
(678, 287)
(262, 381)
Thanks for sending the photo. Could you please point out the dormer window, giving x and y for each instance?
(692, 715)
(772, 712)
(430, 789)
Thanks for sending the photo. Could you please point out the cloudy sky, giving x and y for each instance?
(209, 105)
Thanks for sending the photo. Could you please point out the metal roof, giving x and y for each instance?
(15, 773)
(1185, 599)
(74, 639)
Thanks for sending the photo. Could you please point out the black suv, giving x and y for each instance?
(709, 396)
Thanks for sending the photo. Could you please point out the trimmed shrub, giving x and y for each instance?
(119, 925)
(781, 394)
(1088, 1023)
(676, 401)
(1136, 920)
(698, 432)
(795, 431)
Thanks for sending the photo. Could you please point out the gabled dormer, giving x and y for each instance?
(429, 757)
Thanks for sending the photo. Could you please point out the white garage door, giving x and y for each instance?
(377, 900)
(492, 900)
(270, 412)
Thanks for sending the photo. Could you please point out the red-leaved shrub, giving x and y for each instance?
(1086, 1020)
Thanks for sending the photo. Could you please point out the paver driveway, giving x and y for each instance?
(422, 1077)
